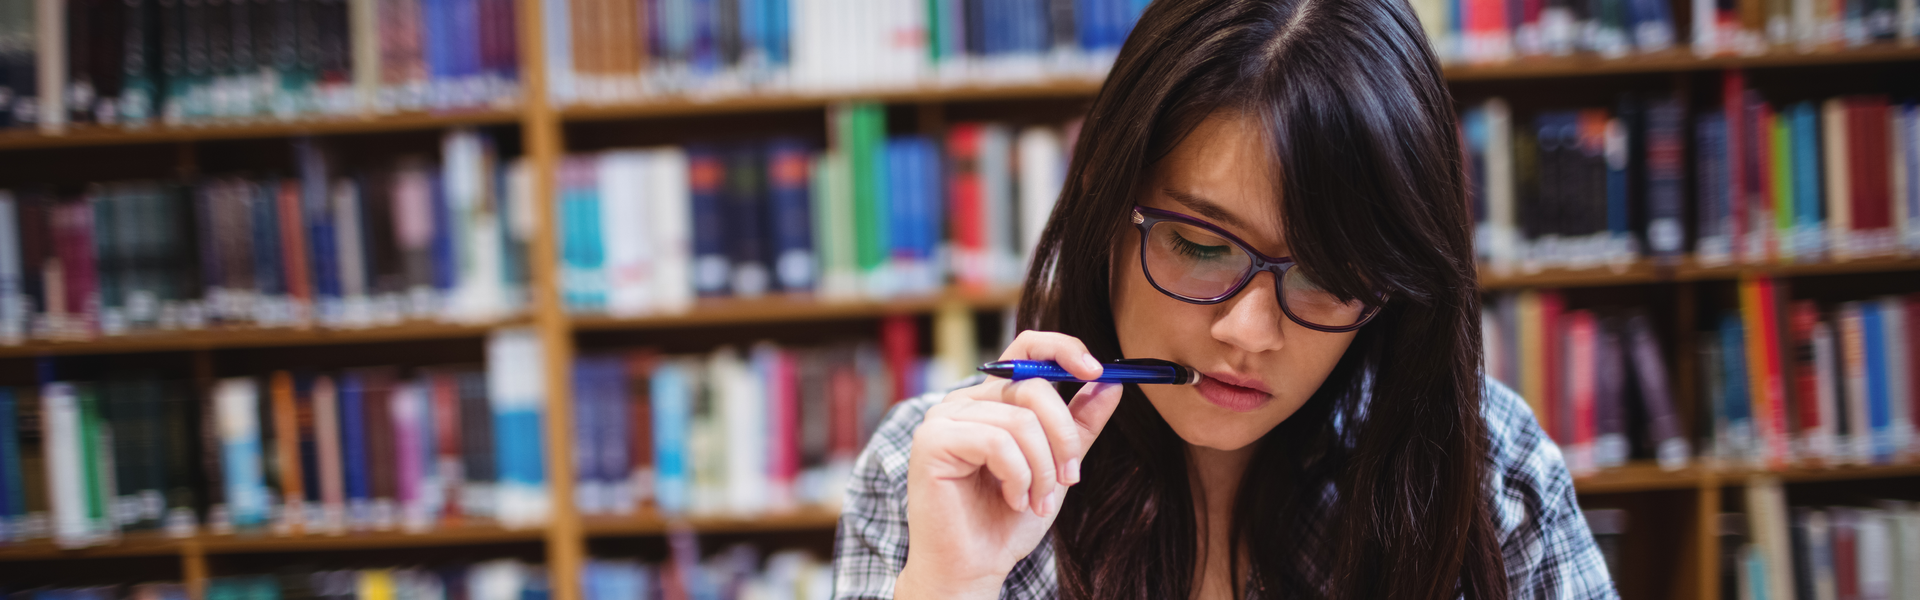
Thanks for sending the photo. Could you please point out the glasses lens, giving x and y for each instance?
(1314, 304)
(1191, 261)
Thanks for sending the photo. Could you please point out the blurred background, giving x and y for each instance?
(598, 299)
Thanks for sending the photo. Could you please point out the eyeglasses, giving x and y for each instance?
(1194, 261)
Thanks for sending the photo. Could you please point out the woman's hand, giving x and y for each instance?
(989, 467)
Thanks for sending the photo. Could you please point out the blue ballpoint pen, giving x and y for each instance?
(1132, 370)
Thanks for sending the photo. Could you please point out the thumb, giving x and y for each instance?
(1093, 406)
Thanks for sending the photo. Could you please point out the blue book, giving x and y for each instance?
(559, 48)
(1733, 355)
(1807, 187)
(353, 445)
(440, 248)
(1879, 410)
(672, 418)
(1715, 187)
(900, 200)
(13, 497)
(583, 256)
(1618, 185)
(751, 27)
(712, 265)
(790, 215)
(269, 270)
(745, 210)
(465, 38)
(704, 57)
(933, 212)
(779, 51)
(436, 26)
(588, 403)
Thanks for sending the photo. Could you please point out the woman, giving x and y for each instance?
(1268, 191)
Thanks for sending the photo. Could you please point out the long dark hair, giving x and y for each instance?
(1362, 133)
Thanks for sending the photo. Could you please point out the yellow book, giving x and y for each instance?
(1533, 359)
(376, 584)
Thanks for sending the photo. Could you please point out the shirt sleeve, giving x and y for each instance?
(1544, 542)
(870, 544)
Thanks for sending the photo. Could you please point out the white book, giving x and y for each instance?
(501, 579)
(1767, 518)
(520, 225)
(237, 412)
(741, 402)
(1894, 332)
(669, 210)
(1833, 146)
(60, 443)
(479, 286)
(1873, 554)
(517, 392)
(1828, 443)
(350, 255)
(1042, 172)
(1908, 537)
(624, 232)
(996, 177)
(51, 52)
(364, 16)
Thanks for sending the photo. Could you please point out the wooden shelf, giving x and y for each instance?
(118, 136)
(132, 544)
(681, 106)
(1639, 477)
(454, 536)
(1689, 270)
(652, 524)
(1637, 272)
(796, 308)
(217, 338)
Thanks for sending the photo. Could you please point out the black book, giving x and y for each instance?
(108, 49)
(79, 98)
(139, 47)
(745, 196)
(198, 63)
(170, 90)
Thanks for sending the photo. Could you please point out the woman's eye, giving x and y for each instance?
(1190, 249)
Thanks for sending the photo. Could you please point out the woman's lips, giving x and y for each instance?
(1236, 398)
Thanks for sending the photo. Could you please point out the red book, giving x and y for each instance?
(1846, 573)
(899, 342)
(783, 464)
(1802, 370)
(1733, 86)
(1911, 305)
(293, 246)
(1582, 355)
(382, 458)
(443, 392)
(965, 203)
(640, 392)
(843, 408)
(1776, 417)
(1867, 152)
(1556, 420)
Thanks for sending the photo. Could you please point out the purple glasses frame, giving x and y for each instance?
(1144, 219)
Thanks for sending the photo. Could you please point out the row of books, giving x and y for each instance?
(739, 572)
(1835, 180)
(138, 591)
(648, 230)
(738, 433)
(137, 62)
(377, 246)
(1595, 378)
(289, 453)
(602, 51)
(1483, 31)
(1794, 382)
(1818, 553)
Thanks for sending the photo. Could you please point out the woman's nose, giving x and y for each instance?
(1251, 320)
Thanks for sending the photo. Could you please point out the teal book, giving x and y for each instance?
(1808, 229)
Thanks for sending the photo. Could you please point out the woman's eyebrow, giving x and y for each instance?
(1206, 208)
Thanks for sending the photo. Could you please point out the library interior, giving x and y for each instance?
(601, 299)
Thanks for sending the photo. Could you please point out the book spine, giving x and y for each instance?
(706, 180)
(239, 420)
(1879, 407)
(287, 449)
(448, 469)
(514, 388)
(477, 446)
(790, 215)
(1893, 316)
(331, 452)
(672, 398)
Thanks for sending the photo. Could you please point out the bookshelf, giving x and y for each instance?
(542, 128)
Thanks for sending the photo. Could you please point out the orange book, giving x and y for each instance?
(286, 442)
(293, 250)
(1757, 313)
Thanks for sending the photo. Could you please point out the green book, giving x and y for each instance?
(1782, 185)
(95, 456)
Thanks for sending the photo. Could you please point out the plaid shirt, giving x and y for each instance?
(1549, 552)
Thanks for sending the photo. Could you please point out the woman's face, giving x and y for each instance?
(1259, 366)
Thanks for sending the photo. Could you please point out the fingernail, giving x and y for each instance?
(1072, 474)
(1090, 361)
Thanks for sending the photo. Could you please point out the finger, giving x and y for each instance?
(1063, 434)
(1092, 407)
(1057, 347)
(979, 444)
(1026, 430)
